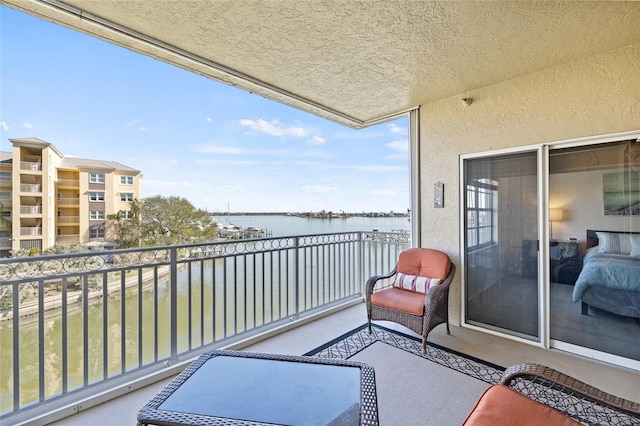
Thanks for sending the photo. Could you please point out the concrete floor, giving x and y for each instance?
(618, 381)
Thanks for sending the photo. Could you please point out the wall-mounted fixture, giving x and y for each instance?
(467, 101)
(438, 195)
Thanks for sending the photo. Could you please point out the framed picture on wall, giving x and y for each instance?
(621, 193)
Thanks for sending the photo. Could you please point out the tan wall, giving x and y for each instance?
(599, 95)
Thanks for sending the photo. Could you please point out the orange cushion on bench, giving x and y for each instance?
(500, 405)
(405, 301)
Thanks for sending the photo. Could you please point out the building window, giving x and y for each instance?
(126, 196)
(125, 214)
(96, 215)
(96, 177)
(481, 196)
(96, 196)
(126, 180)
(96, 233)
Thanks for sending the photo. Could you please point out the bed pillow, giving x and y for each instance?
(415, 283)
(635, 245)
(613, 243)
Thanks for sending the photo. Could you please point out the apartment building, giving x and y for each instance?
(49, 199)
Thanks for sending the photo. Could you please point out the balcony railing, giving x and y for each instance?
(68, 201)
(32, 230)
(26, 187)
(105, 316)
(68, 239)
(30, 209)
(31, 165)
(70, 183)
(5, 243)
(68, 220)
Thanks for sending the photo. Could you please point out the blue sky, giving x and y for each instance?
(192, 137)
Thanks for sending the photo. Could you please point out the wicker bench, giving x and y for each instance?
(532, 394)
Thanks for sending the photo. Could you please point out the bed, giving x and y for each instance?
(610, 276)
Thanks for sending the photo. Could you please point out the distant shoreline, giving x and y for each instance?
(310, 214)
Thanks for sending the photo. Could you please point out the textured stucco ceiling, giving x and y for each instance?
(356, 62)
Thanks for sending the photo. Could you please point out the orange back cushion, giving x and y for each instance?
(424, 262)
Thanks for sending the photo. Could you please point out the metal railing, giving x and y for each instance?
(68, 201)
(35, 166)
(68, 239)
(68, 219)
(71, 183)
(29, 187)
(30, 210)
(73, 321)
(31, 230)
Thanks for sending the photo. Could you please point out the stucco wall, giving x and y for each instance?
(599, 95)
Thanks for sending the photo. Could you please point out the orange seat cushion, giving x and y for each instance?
(500, 405)
(406, 301)
(424, 262)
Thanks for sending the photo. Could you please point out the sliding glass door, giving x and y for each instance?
(570, 279)
(501, 243)
(594, 192)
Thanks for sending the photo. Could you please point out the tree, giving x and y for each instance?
(128, 231)
(174, 220)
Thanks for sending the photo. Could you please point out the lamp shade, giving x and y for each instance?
(556, 215)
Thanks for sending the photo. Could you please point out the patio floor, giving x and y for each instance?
(619, 381)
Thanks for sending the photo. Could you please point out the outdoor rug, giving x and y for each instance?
(443, 391)
(411, 391)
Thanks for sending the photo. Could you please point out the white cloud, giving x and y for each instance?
(273, 128)
(232, 162)
(234, 150)
(143, 129)
(394, 128)
(27, 125)
(209, 119)
(133, 122)
(318, 188)
(317, 140)
(4, 126)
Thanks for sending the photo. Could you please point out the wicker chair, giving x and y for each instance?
(574, 398)
(419, 296)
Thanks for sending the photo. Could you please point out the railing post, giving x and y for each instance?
(296, 274)
(173, 304)
(360, 274)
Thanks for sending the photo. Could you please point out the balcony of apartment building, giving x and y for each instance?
(5, 179)
(31, 163)
(28, 209)
(105, 331)
(68, 183)
(68, 234)
(68, 179)
(68, 219)
(35, 187)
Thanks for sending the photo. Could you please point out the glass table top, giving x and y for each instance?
(271, 391)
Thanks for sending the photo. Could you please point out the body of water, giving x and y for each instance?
(281, 226)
